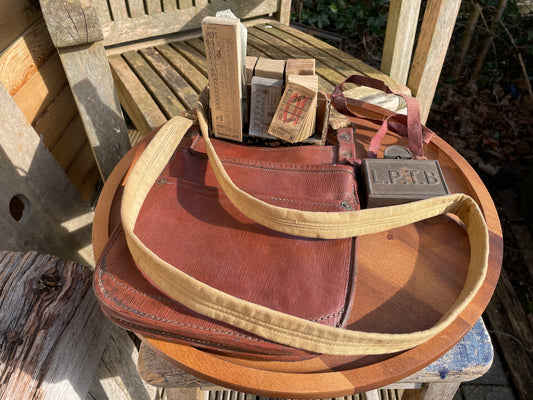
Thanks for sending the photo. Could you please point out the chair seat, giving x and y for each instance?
(156, 83)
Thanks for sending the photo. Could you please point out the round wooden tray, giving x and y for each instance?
(406, 279)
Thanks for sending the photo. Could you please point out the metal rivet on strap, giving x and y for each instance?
(344, 136)
(346, 205)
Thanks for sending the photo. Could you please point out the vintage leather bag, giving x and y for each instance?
(227, 250)
(253, 250)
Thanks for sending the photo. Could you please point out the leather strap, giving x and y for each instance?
(406, 125)
(262, 321)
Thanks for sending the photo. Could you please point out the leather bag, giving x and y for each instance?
(195, 255)
(200, 230)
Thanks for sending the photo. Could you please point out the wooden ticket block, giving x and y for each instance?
(265, 96)
(300, 66)
(268, 68)
(224, 40)
(250, 67)
(295, 116)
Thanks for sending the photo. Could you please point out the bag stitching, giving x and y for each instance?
(216, 190)
(103, 265)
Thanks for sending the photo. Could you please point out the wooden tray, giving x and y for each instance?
(407, 278)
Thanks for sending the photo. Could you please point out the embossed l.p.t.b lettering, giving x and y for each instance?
(431, 178)
(404, 176)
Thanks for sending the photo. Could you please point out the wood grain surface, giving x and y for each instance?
(53, 332)
(156, 81)
(407, 278)
(31, 71)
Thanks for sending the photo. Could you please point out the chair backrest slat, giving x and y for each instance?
(422, 74)
(400, 38)
(131, 20)
(118, 10)
(433, 41)
(102, 10)
(153, 7)
(135, 8)
(169, 5)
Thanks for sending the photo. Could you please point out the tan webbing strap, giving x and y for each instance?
(262, 321)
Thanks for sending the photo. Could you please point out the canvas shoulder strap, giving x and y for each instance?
(270, 324)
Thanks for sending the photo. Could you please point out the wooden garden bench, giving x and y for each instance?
(151, 52)
(157, 59)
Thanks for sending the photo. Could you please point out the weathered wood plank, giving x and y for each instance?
(197, 44)
(91, 82)
(83, 57)
(153, 7)
(267, 51)
(119, 12)
(157, 371)
(137, 102)
(358, 65)
(53, 121)
(434, 38)
(81, 168)
(66, 149)
(169, 5)
(45, 197)
(179, 86)
(163, 96)
(254, 51)
(288, 51)
(102, 11)
(116, 377)
(25, 56)
(437, 390)
(284, 13)
(399, 39)
(41, 88)
(135, 8)
(15, 18)
(184, 4)
(71, 23)
(195, 78)
(130, 29)
(330, 68)
(55, 330)
(185, 394)
(192, 55)
(89, 186)
(283, 47)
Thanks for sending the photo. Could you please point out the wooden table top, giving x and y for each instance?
(407, 278)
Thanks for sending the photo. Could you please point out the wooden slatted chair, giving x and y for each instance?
(157, 59)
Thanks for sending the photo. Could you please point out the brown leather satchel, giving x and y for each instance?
(188, 220)
(253, 250)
